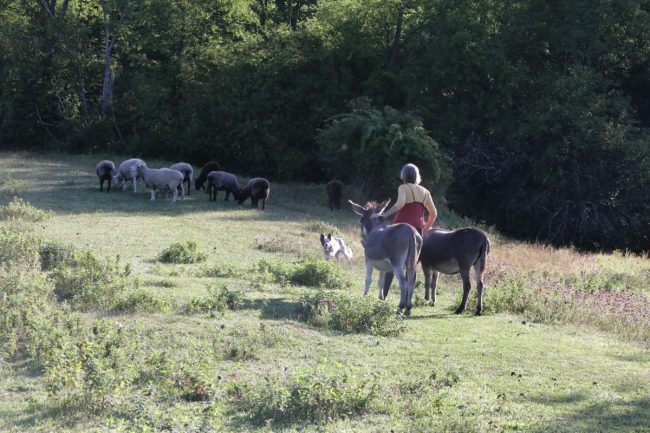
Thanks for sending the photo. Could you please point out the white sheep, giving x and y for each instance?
(188, 172)
(127, 172)
(161, 179)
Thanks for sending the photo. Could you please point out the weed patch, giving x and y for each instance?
(54, 254)
(219, 300)
(143, 301)
(91, 283)
(19, 209)
(182, 253)
(351, 314)
(245, 344)
(311, 273)
(317, 394)
(221, 270)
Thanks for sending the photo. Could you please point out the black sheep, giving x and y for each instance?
(334, 190)
(203, 176)
(256, 188)
(105, 171)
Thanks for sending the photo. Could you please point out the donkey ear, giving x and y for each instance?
(357, 209)
(322, 236)
(382, 206)
(329, 236)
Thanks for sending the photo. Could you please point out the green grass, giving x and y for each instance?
(262, 367)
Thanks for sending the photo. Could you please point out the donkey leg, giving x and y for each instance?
(368, 277)
(387, 282)
(410, 280)
(479, 274)
(403, 288)
(427, 280)
(467, 285)
(380, 283)
(434, 287)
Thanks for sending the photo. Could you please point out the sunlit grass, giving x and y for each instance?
(499, 372)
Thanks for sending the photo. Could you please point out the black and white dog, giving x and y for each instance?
(334, 247)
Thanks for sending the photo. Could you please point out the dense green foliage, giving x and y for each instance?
(542, 106)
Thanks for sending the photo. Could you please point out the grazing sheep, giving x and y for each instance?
(334, 190)
(222, 181)
(256, 188)
(188, 172)
(128, 172)
(161, 179)
(105, 171)
(203, 176)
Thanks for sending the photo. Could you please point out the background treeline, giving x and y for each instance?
(532, 115)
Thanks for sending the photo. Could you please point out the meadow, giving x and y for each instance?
(122, 314)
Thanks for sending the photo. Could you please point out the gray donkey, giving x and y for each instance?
(452, 252)
(389, 248)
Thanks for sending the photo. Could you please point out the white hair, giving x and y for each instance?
(410, 174)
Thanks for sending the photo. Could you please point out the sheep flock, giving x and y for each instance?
(211, 179)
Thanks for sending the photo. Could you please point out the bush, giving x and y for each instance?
(91, 283)
(18, 249)
(143, 301)
(351, 314)
(310, 395)
(25, 298)
(90, 367)
(219, 300)
(182, 253)
(310, 272)
(221, 270)
(21, 210)
(369, 146)
(53, 254)
(243, 344)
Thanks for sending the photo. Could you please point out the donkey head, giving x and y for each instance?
(371, 215)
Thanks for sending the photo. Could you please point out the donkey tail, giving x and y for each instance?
(412, 255)
(483, 253)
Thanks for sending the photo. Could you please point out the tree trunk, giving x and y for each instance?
(107, 86)
(393, 55)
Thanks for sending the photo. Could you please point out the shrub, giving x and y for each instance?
(18, 249)
(371, 145)
(351, 314)
(243, 344)
(90, 367)
(25, 298)
(90, 282)
(21, 210)
(143, 301)
(53, 254)
(182, 253)
(310, 395)
(310, 272)
(218, 300)
(221, 270)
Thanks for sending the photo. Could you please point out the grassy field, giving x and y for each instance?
(563, 346)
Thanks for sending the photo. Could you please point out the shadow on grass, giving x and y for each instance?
(34, 413)
(67, 185)
(616, 415)
(275, 308)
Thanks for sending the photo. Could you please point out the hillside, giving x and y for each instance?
(226, 344)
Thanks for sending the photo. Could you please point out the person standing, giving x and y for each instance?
(412, 201)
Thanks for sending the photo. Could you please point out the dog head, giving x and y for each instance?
(330, 247)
